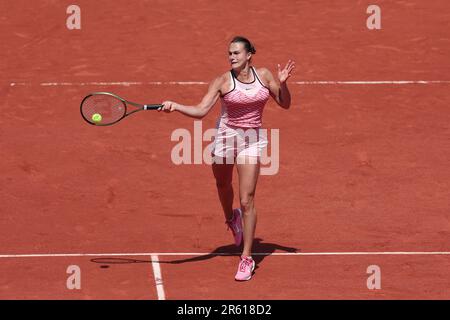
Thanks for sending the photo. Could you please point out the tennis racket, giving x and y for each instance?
(104, 108)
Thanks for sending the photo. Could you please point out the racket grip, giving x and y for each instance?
(152, 106)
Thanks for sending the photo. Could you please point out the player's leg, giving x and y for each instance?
(248, 177)
(223, 173)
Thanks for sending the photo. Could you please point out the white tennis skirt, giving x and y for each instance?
(234, 142)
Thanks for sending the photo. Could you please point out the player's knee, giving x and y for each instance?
(247, 202)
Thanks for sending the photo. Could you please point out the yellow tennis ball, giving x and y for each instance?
(96, 117)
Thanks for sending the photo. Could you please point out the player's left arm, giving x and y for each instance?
(278, 87)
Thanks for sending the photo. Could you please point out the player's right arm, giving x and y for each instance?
(200, 110)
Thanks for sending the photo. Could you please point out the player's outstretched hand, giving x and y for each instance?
(284, 74)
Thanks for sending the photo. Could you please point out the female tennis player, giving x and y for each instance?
(243, 91)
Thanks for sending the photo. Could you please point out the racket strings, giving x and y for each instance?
(108, 107)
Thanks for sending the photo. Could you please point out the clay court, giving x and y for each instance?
(363, 175)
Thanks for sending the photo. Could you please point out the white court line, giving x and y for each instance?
(158, 277)
(157, 269)
(397, 82)
(125, 254)
(163, 83)
(119, 83)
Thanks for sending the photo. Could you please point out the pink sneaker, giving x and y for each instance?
(236, 226)
(245, 269)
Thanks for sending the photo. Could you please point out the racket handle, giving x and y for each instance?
(152, 106)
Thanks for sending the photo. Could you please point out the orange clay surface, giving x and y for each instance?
(363, 168)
